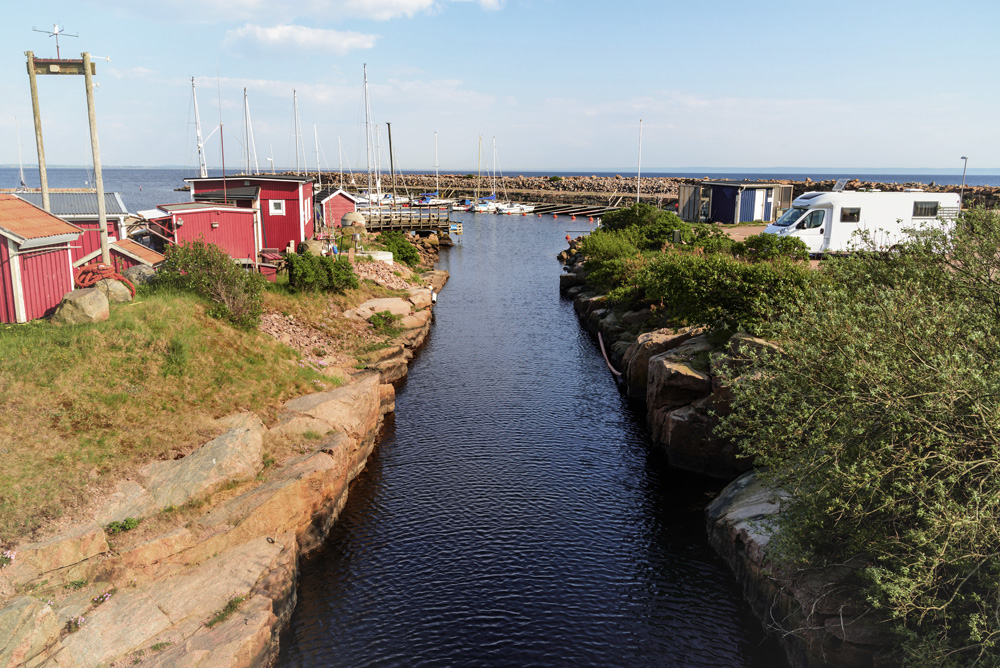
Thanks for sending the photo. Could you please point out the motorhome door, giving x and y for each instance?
(812, 230)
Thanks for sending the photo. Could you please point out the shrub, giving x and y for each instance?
(384, 322)
(126, 524)
(401, 249)
(313, 273)
(770, 247)
(724, 292)
(306, 272)
(208, 271)
(340, 275)
(555, 179)
(879, 417)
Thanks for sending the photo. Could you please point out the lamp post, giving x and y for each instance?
(961, 195)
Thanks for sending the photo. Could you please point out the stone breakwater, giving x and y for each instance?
(208, 578)
(613, 190)
(678, 374)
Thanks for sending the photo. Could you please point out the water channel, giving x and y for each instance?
(515, 513)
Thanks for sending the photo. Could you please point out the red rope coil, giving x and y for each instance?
(90, 274)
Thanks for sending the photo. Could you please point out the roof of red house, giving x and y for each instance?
(139, 251)
(25, 221)
(252, 177)
(202, 206)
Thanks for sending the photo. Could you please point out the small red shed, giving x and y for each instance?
(36, 268)
(79, 207)
(284, 204)
(335, 205)
(230, 227)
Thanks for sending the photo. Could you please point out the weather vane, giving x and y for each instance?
(55, 32)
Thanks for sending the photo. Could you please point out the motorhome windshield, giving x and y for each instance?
(790, 217)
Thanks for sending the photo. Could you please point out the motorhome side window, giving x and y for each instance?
(850, 214)
(925, 209)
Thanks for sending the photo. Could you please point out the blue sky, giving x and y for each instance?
(561, 84)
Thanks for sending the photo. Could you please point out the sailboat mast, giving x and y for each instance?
(638, 171)
(340, 161)
(295, 123)
(479, 165)
(494, 165)
(202, 167)
(319, 172)
(368, 135)
(251, 143)
(437, 191)
(246, 133)
(392, 167)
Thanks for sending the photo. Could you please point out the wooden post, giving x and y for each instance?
(102, 214)
(42, 174)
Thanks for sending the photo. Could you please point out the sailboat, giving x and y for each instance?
(487, 204)
(20, 165)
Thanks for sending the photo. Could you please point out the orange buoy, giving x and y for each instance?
(555, 215)
(569, 238)
(590, 218)
(572, 217)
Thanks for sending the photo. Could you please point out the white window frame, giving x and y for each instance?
(276, 207)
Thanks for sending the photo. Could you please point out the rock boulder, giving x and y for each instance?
(83, 306)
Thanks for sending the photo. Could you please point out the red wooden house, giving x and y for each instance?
(284, 204)
(79, 207)
(36, 268)
(335, 205)
(232, 228)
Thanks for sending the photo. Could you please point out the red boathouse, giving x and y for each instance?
(230, 227)
(284, 204)
(36, 268)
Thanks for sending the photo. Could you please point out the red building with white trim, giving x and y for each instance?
(36, 266)
(335, 205)
(284, 204)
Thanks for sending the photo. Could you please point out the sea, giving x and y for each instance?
(144, 188)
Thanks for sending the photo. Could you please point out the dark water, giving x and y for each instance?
(514, 514)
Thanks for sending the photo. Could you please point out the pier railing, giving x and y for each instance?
(406, 218)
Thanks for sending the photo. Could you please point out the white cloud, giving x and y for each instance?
(298, 37)
(207, 11)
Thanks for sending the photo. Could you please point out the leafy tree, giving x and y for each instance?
(401, 249)
(879, 415)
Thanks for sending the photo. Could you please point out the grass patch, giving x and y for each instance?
(232, 605)
(75, 584)
(126, 524)
(85, 405)
(160, 646)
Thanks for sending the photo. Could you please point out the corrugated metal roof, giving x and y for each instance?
(138, 250)
(77, 203)
(23, 220)
(252, 177)
(200, 206)
(240, 192)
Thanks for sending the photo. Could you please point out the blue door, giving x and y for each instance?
(747, 200)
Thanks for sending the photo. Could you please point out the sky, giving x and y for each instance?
(562, 85)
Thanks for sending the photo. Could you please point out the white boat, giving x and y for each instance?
(514, 209)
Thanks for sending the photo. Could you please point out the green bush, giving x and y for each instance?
(313, 273)
(208, 271)
(340, 275)
(880, 418)
(384, 322)
(769, 247)
(401, 249)
(724, 292)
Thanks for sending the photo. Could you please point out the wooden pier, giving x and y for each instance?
(405, 219)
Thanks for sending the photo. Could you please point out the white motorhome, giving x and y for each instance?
(830, 221)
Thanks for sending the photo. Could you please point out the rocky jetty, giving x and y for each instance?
(195, 561)
(614, 190)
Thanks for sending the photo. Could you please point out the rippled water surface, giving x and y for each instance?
(515, 514)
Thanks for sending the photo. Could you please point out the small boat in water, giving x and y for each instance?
(462, 205)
